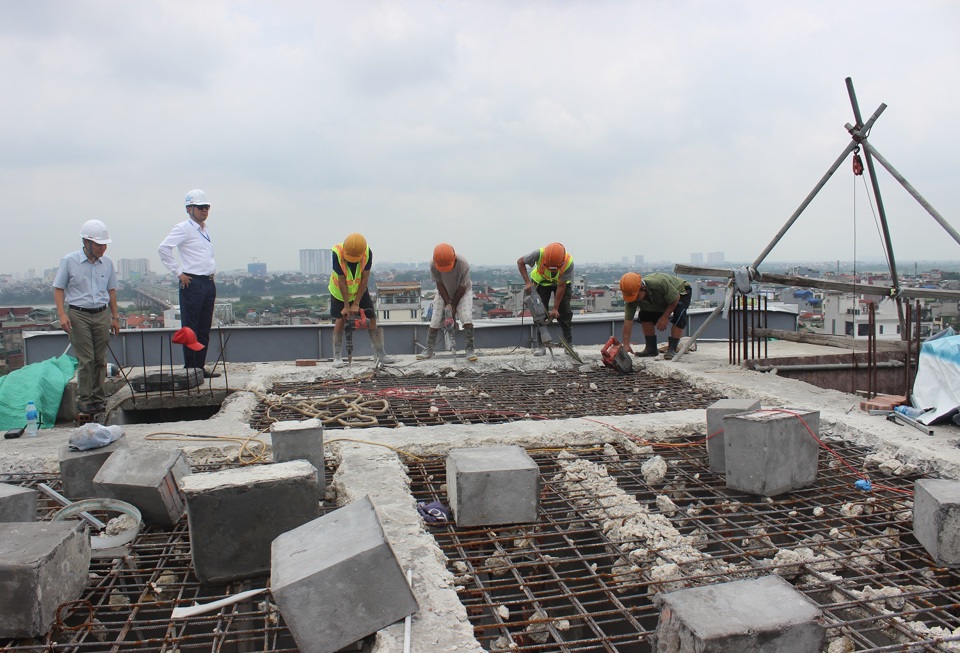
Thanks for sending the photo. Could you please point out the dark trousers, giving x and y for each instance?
(196, 311)
(565, 317)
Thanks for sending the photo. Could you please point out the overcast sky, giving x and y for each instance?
(617, 128)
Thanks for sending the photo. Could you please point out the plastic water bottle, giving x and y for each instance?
(33, 423)
(909, 411)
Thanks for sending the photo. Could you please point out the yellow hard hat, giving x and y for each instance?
(354, 247)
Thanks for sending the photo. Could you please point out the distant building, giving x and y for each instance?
(132, 269)
(257, 269)
(398, 301)
(316, 262)
(714, 258)
(638, 260)
(696, 258)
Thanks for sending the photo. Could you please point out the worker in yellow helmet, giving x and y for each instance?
(551, 271)
(660, 299)
(352, 262)
(451, 272)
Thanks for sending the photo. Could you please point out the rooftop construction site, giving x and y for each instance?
(758, 493)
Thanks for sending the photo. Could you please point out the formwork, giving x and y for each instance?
(505, 396)
(582, 578)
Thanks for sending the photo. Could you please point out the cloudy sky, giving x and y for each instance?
(618, 128)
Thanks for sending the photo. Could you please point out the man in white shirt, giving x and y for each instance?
(198, 292)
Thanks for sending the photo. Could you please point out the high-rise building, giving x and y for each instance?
(132, 269)
(696, 258)
(638, 260)
(257, 269)
(715, 258)
(315, 262)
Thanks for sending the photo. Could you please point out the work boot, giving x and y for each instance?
(379, 354)
(468, 335)
(650, 349)
(431, 344)
(671, 348)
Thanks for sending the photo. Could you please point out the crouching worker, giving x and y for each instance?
(451, 273)
(660, 299)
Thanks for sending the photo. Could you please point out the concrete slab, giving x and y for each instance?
(336, 579)
(42, 564)
(78, 468)
(300, 440)
(763, 615)
(149, 478)
(716, 451)
(235, 514)
(17, 503)
(496, 485)
(770, 452)
(936, 519)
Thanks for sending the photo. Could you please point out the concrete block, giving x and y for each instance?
(762, 615)
(303, 440)
(936, 519)
(336, 579)
(489, 486)
(17, 503)
(42, 564)
(147, 478)
(77, 468)
(235, 514)
(715, 414)
(770, 453)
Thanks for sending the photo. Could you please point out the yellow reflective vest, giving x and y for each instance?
(542, 276)
(353, 279)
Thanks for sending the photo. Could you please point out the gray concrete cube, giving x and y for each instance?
(336, 579)
(770, 452)
(42, 564)
(488, 486)
(936, 519)
(763, 615)
(715, 431)
(77, 468)
(235, 514)
(147, 478)
(302, 440)
(17, 503)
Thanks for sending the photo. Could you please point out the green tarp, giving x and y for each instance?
(42, 383)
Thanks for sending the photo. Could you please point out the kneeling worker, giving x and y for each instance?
(660, 299)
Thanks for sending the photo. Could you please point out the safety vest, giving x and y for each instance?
(543, 276)
(353, 279)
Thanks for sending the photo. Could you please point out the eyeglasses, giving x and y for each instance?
(202, 207)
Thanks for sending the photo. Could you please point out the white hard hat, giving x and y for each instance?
(195, 197)
(96, 231)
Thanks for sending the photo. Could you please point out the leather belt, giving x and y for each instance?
(199, 276)
(88, 310)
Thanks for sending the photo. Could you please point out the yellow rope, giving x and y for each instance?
(252, 456)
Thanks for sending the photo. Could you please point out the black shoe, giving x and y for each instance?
(210, 375)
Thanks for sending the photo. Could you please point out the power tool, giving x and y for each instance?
(538, 313)
(615, 357)
(349, 325)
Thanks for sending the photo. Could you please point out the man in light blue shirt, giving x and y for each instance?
(83, 290)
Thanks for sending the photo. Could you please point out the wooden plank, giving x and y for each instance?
(845, 342)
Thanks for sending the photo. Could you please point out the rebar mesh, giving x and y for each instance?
(490, 399)
(565, 584)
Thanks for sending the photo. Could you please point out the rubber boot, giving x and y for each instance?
(650, 349)
(431, 344)
(671, 348)
(337, 346)
(468, 336)
(376, 339)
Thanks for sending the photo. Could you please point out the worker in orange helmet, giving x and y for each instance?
(451, 272)
(352, 262)
(660, 299)
(551, 271)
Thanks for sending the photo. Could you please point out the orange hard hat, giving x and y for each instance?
(630, 284)
(444, 257)
(554, 255)
(354, 247)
